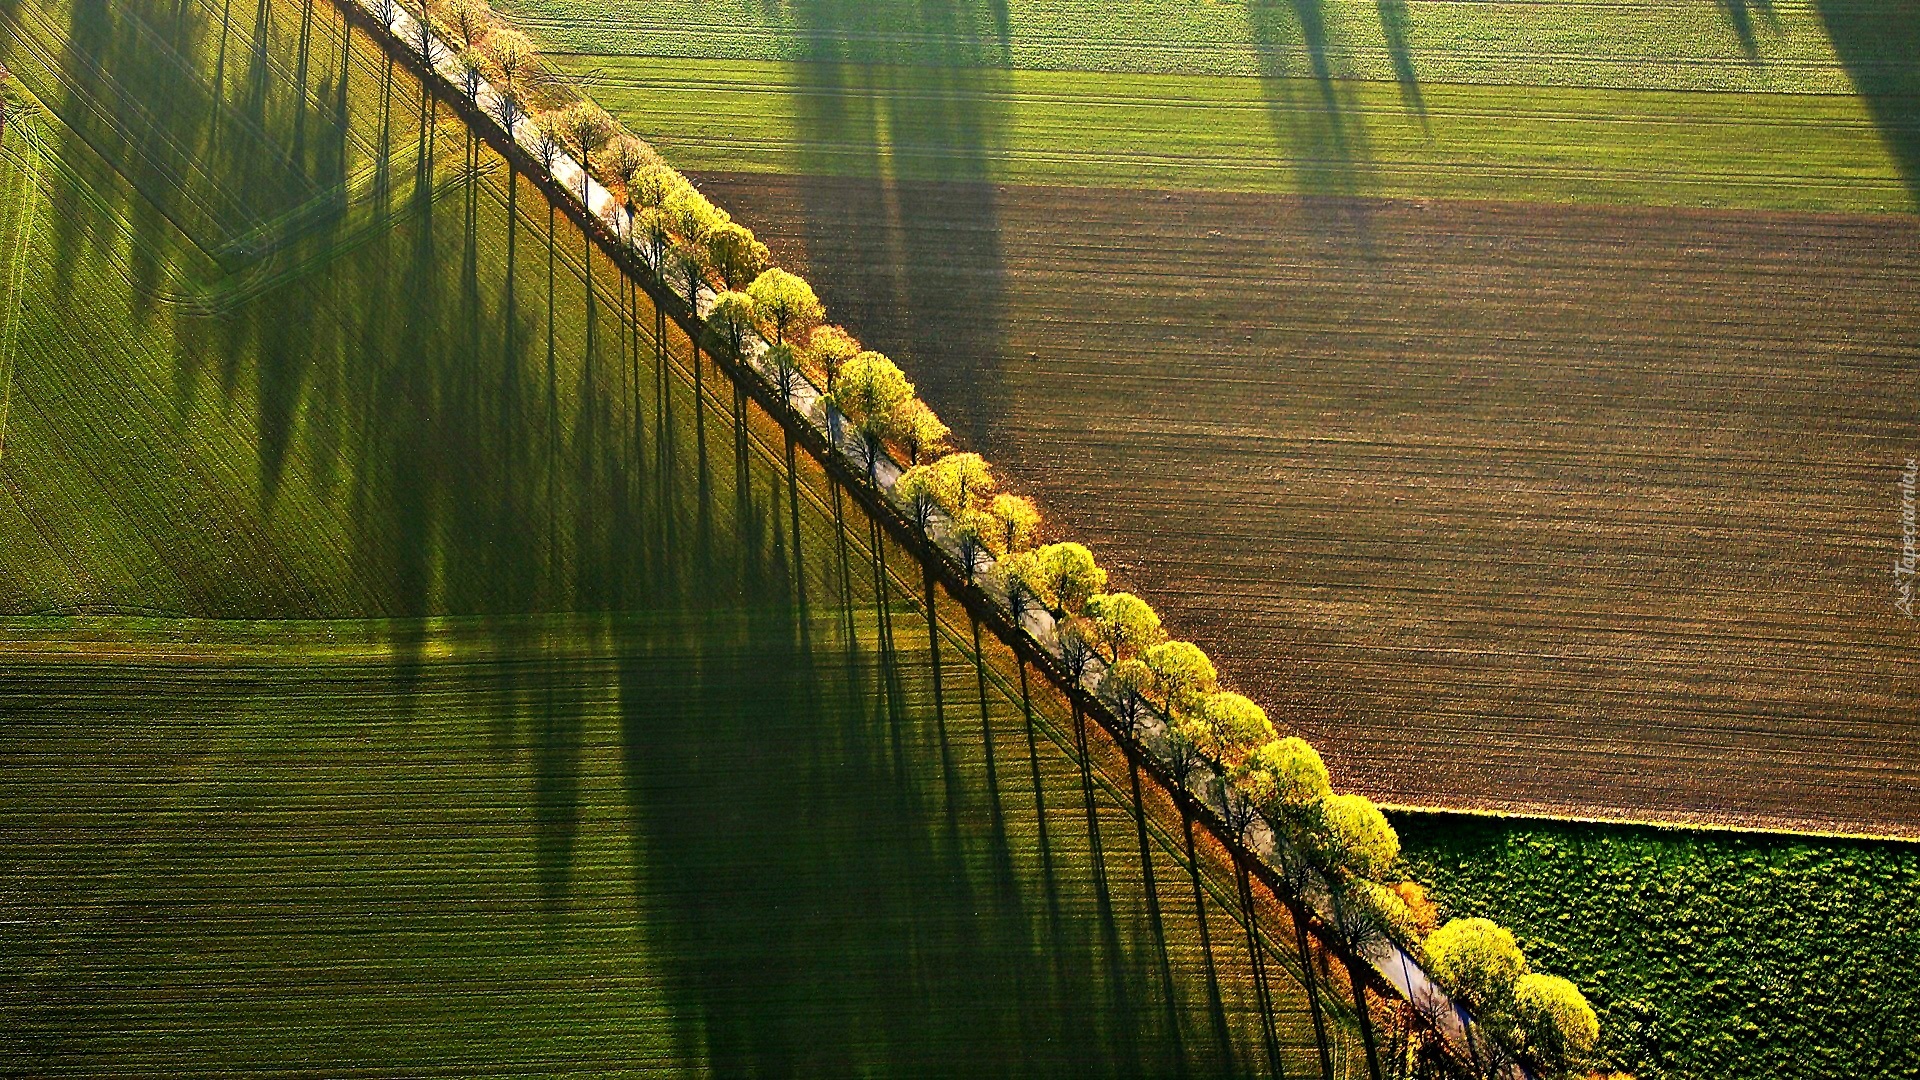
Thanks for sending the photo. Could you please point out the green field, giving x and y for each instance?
(1698, 104)
(404, 671)
(1722, 955)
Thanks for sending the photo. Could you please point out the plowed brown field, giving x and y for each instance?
(1578, 510)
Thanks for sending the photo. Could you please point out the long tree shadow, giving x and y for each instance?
(1878, 41)
(900, 109)
(1321, 135)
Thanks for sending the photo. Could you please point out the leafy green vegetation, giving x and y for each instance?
(1688, 45)
(1706, 954)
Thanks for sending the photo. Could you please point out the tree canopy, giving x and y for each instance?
(788, 306)
(1182, 674)
(730, 318)
(512, 52)
(1554, 1018)
(1123, 624)
(737, 256)
(1358, 836)
(1063, 576)
(922, 431)
(588, 127)
(964, 482)
(469, 19)
(1477, 960)
(1282, 776)
(828, 350)
(1231, 726)
(1016, 521)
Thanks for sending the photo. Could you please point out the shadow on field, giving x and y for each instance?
(908, 97)
(437, 401)
(1879, 43)
(1320, 134)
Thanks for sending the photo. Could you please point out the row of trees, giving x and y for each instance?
(1165, 692)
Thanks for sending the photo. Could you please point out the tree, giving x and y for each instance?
(1065, 575)
(922, 431)
(387, 10)
(785, 368)
(737, 257)
(1123, 624)
(1125, 688)
(694, 219)
(471, 76)
(548, 139)
(512, 52)
(589, 128)
(828, 350)
(1355, 836)
(871, 391)
(653, 185)
(1477, 961)
(426, 43)
(1016, 521)
(730, 318)
(1182, 675)
(1285, 776)
(626, 156)
(1554, 1020)
(1231, 727)
(916, 487)
(469, 19)
(964, 481)
(787, 304)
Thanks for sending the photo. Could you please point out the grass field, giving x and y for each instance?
(1708, 954)
(404, 672)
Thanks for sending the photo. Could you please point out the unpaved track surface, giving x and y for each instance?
(1576, 510)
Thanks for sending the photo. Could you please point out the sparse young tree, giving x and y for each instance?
(1182, 675)
(469, 19)
(588, 127)
(787, 306)
(1123, 624)
(828, 350)
(737, 257)
(1477, 961)
(511, 52)
(471, 76)
(549, 139)
(1016, 521)
(626, 156)
(426, 43)
(922, 431)
(730, 319)
(1076, 648)
(1125, 688)
(387, 11)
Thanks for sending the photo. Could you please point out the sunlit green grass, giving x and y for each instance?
(1553, 144)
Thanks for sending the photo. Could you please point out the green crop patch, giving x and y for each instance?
(1742, 956)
